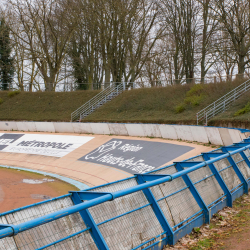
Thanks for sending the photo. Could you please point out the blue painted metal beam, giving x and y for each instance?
(195, 194)
(237, 170)
(241, 144)
(219, 180)
(188, 164)
(232, 148)
(86, 196)
(245, 158)
(89, 221)
(157, 210)
(213, 154)
(153, 177)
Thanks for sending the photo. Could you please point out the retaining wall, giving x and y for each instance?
(214, 135)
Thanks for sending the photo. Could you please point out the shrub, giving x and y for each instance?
(13, 93)
(243, 110)
(197, 89)
(180, 108)
(1, 100)
(194, 100)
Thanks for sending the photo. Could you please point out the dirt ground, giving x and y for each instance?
(229, 230)
(21, 188)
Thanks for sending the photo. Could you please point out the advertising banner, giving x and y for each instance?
(41, 144)
(135, 156)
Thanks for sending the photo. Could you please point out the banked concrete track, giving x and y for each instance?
(144, 211)
(91, 171)
(108, 138)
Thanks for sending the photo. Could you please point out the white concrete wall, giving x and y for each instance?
(214, 135)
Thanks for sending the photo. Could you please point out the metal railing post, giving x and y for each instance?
(157, 210)
(195, 193)
(220, 181)
(237, 171)
(89, 221)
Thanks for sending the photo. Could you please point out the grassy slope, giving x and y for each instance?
(42, 106)
(228, 116)
(157, 105)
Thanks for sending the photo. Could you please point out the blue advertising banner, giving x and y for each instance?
(135, 156)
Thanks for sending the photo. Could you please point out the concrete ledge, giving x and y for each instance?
(117, 129)
(168, 131)
(26, 126)
(63, 127)
(134, 129)
(214, 135)
(8, 126)
(45, 127)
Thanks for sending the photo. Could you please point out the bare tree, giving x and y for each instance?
(235, 17)
(47, 27)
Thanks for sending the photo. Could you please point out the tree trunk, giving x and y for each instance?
(241, 67)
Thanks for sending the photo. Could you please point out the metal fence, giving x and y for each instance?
(70, 85)
(146, 211)
(222, 104)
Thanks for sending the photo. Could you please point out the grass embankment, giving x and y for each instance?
(42, 106)
(172, 105)
(238, 115)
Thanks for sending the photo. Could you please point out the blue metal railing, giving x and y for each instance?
(85, 200)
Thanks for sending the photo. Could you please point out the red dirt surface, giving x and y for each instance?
(14, 193)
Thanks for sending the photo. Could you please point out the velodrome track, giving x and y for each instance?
(156, 208)
(153, 152)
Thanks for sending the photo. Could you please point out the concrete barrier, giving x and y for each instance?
(184, 132)
(86, 128)
(100, 128)
(45, 127)
(199, 134)
(151, 130)
(225, 136)
(214, 135)
(26, 126)
(235, 135)
(134, 129)
(8, 126)
(168, 131)
(63, 127)
(117, 129)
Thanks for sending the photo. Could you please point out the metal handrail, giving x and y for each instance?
(222, 103)
(97, 101)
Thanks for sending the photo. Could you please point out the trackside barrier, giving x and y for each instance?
(146, 211)
(214, 135)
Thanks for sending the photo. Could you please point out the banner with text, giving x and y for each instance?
(48, 145)
(135, 156)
